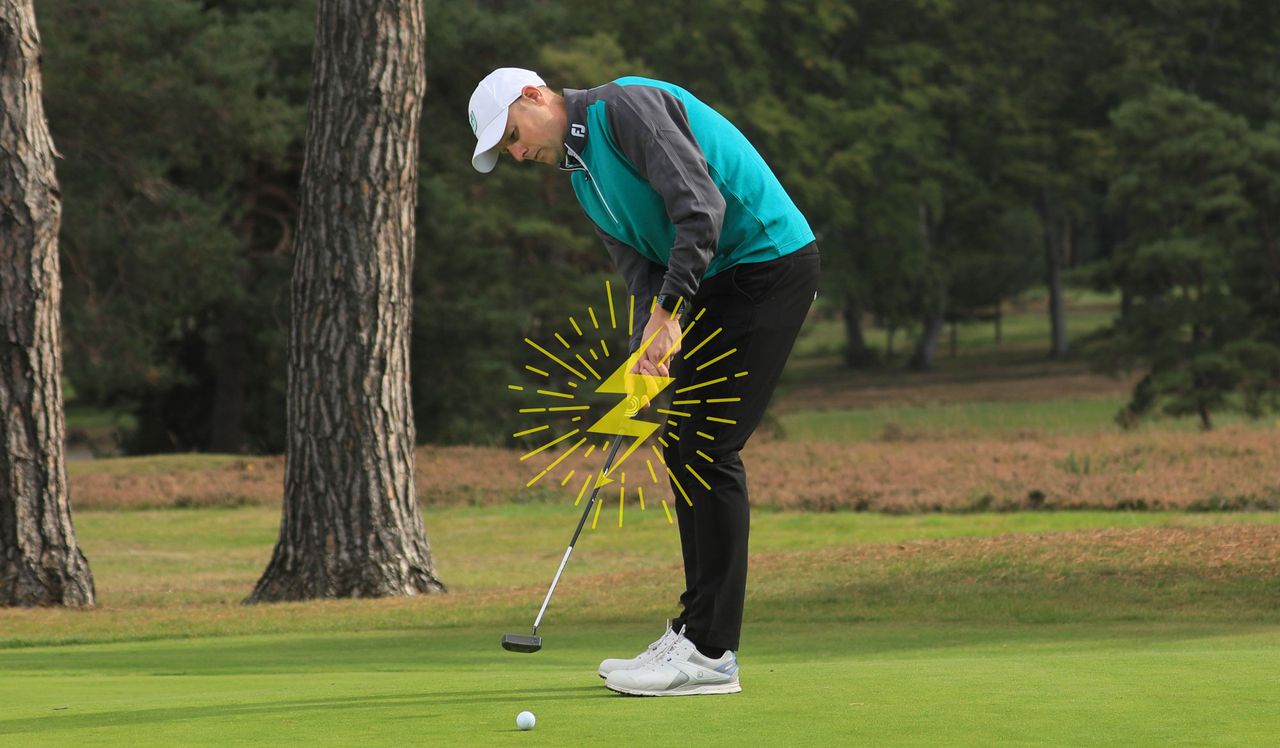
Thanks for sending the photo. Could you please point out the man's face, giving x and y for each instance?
(535, 128)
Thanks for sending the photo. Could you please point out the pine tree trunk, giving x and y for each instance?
(40, 560)
(351, 525)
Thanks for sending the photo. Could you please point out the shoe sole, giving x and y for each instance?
(708, 690)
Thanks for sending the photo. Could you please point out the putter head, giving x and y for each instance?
(521, 643)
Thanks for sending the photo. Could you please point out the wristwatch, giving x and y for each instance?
(669, 302)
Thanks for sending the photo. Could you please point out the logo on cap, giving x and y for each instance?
(475, 126)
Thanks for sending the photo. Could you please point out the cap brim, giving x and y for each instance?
(486, 154)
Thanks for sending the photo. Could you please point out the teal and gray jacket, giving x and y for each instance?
(676, 192)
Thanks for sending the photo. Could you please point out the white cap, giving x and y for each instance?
(488, 111)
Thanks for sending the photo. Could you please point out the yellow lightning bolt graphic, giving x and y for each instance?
(638, 388)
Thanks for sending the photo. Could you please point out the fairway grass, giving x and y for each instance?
(804, 684)
(1031, 628)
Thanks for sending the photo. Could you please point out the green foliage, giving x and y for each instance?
(941, 151)
(1198, 232)
(179, 123)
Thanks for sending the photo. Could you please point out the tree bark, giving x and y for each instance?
(40, 561)
(351, 525)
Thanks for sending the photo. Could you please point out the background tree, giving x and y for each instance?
(1203, 321)
(351, 524)
(181, 124)
(40, 560)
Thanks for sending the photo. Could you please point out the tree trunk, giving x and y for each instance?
(935, 310)
(927, 346)
(1057, 248)
(351, 525)
(856, 353)
(40, 560)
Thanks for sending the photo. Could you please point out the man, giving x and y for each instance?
(695, 221)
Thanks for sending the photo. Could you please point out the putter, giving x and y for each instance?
(533, 642)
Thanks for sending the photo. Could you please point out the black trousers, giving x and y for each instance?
(754, 312)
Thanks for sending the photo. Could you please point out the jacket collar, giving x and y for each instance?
(575, 138)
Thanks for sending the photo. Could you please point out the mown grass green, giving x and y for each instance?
(806, 684)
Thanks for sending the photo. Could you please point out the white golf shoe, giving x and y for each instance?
(655, 650)
(683, 671)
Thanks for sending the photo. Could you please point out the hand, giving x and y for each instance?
(641, 387)
(665, 344)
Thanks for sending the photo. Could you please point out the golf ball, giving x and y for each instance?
(525, 720)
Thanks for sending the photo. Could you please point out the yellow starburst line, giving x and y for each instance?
(583, 490)
(631, 315)
(574, 322)
(705, 456)
(613, 318)
(663, 442)
(563, 342)
(685, 402)
(672, 423)
(557, 461)
(550, 444)
(698, 347)
(605, 347)
(640, 490)
(572, 384)
(533, 430)
(740, 374)
(596, 518)
(515, 387)
(668, 511)
(594, 357)
(717, 358)
(673, 436)
(661, 460)
(590, 449)
(594, 322)
(729, 421)
(552, 356)
(701, 312)
(680, 413)
(575, 419)
(699, 477)
(676, 481)
(621, 505)
(651, 473)
(536, 370)
(555, 394)
(653, 304)
(699, 385)
(567, 477)
(563, 408)
(533, 410)
(705, 435)
(583, 361)
(720, 400)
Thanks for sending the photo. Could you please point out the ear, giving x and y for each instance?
(532, 93)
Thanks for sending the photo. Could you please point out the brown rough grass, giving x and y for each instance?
(1215, 552)
(1232, 468)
